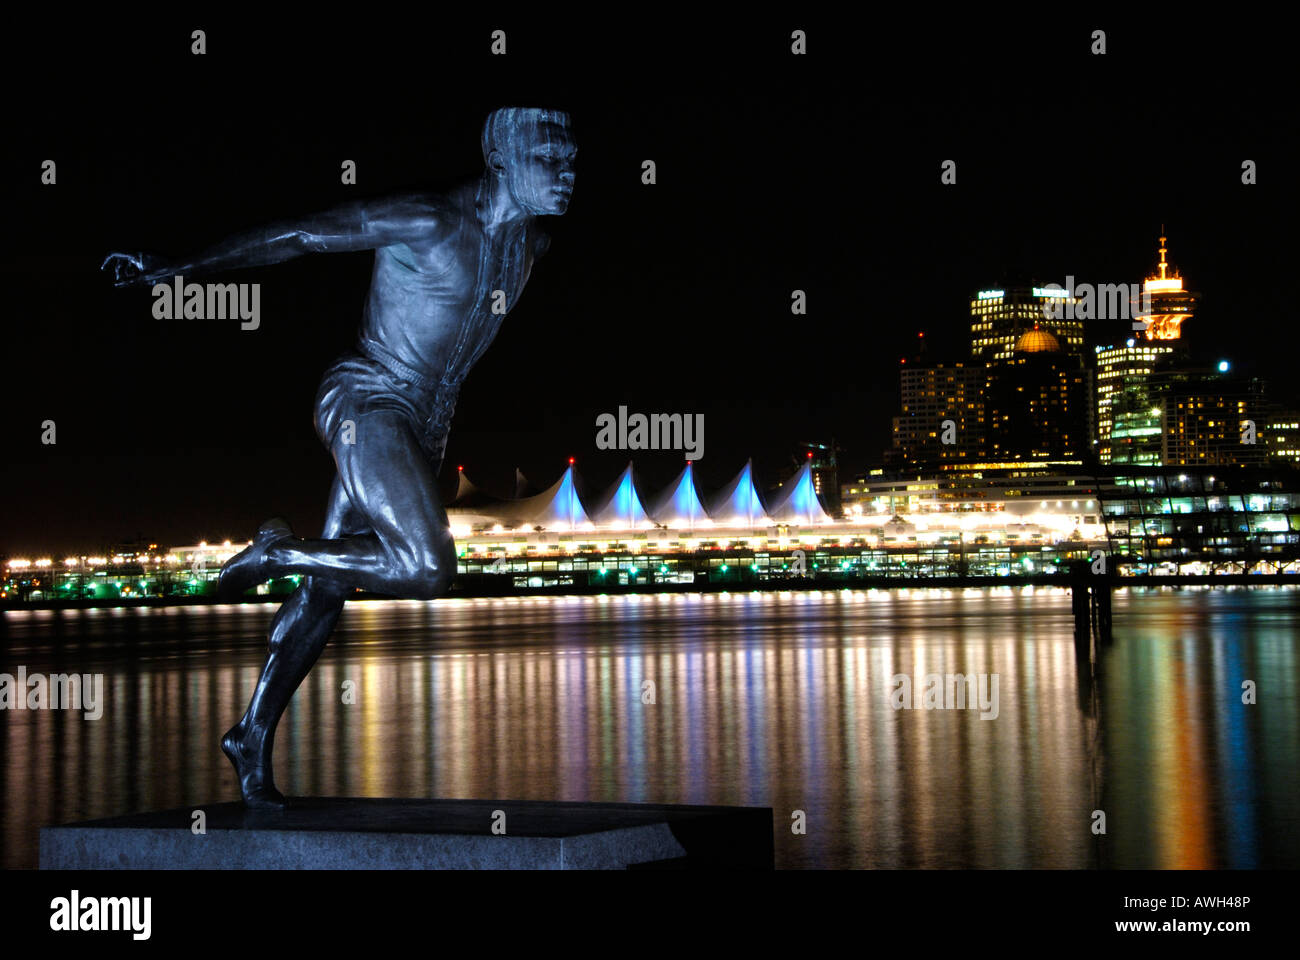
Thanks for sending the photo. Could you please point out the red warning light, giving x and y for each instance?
(571, 460)
(461, 469)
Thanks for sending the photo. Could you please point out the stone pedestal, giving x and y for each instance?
(317, 833)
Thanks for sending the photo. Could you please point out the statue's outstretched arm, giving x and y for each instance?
(360, 225)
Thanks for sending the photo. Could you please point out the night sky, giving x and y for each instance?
(775, 172)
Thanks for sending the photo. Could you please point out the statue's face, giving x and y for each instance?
(539, 167)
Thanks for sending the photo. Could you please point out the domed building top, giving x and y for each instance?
(1037, 341)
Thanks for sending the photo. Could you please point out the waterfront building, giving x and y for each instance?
(1201, 519)
(999, 523)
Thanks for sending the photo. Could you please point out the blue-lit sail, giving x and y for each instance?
(797, 501)
(621, 506)
(679, 505)
(556, 508)
(738, 503)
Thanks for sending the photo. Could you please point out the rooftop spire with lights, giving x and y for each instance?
(1164, 282)
(1168, 304)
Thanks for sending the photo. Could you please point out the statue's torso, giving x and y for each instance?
(431, 303)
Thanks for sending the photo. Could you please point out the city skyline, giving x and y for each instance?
(1095, 336)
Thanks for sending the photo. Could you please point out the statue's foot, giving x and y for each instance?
(255, 781)
(247, 568)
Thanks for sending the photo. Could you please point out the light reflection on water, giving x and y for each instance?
(773, 699)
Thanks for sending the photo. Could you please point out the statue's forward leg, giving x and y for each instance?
(404, 547)
(299, 632)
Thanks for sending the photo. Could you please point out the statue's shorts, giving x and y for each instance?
(369, 379)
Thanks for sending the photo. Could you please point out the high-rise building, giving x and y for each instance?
(1000, 317)
(1186, 417)
(1137, 434)
(1040, 404)
(825, 473)
(1163, 307)
(1205, 424)
(931, 396)
(1115, 366)
(1283, 435)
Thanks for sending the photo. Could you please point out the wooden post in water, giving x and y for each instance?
(1079, 605)
(1101, 586)
(1090, 603)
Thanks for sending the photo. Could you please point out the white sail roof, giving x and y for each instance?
(679, 505)
(557, 508)
(471, 507)
(465, 490)
(738, 503)
(620, 506)
(797, 502)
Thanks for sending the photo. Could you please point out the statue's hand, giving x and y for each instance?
(131, 269)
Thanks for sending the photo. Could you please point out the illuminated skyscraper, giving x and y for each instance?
(1137, 430)
(999, 318)
(1122, 370)
(1165, 304)
(1134, 359)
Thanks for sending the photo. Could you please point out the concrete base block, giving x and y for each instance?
(317, 833)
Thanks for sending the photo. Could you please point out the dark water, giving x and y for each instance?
(778, 699)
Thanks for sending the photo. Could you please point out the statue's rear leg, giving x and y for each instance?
(386, 532)
(299, 632)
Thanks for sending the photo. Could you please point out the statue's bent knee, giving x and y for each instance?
(427, 572)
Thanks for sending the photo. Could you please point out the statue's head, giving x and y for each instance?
(532, 150)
